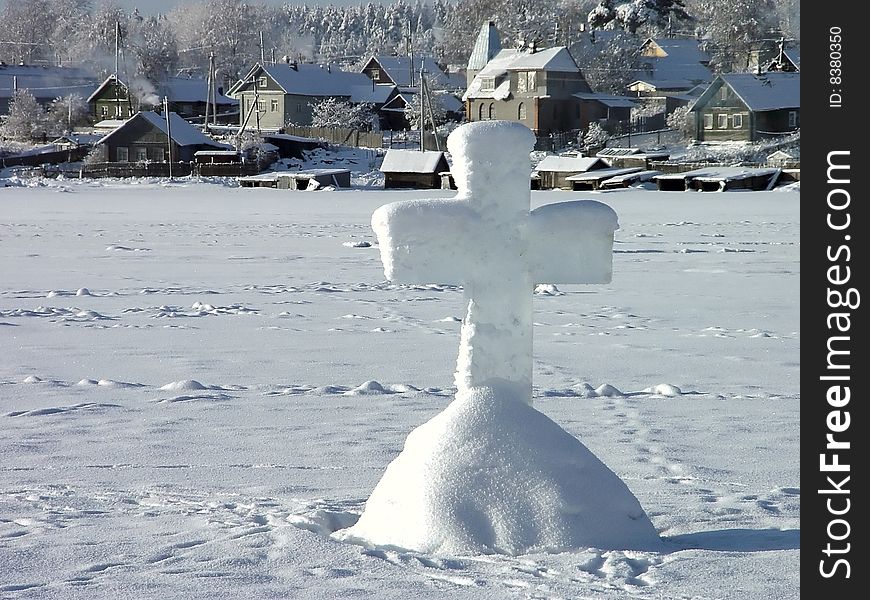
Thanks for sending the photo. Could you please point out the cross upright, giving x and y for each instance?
(488, 240)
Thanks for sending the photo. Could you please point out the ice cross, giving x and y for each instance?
(487, 240)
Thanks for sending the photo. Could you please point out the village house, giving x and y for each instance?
(776, 55)
(748, 107)
(112, 100)
(404, 72)
(414, 169)
(144, 138)
(45, 83)
(543, 89)
(553, 172)
(276, 94)
(535, 88)
(188, 97)
(671, 67)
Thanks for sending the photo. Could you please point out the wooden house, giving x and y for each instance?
(671, 67)
(404, 71)
(276, 94)
(414, 169)
(112, 100)
(534, 87)
(553, 171)
(748, 107)
(45, 83)
(188, 97)
(144, 138)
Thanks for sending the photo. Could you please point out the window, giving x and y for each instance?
(299, 108)
(159, 155)
(118, 111)
(141, 153)
(122, 154)
(723, 92)
(708, 121)
(792, 119)
(526, 81)
(721, 121)
(737, 121)
(262, 82)
(492, 110)
(376, 74)
(481, 114)
(487, 84)
(261, 106)
(521, 111)
(274, 105)
(104, 110)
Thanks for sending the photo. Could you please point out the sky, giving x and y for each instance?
(151, 7)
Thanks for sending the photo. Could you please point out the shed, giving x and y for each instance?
(553, 171)
(414, 169)
(216, 156)
(627, 179)
(593, 180)
(291, 146)
(631, 157)
(719, 179)
(308, 180)
(143, 137)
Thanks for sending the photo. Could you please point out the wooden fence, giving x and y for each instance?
(157, 169)
(339, 135)
(45, 158)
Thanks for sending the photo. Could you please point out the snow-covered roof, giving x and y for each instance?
(552, 59)
(45, 82)
(607, 99)
(485, 48)
(720, 173)
(183, 89)
(768, 91)
(683, 60)
(309, 79)
(602, 174)
(100, 87)
(371, 94)
(398, 68)
(412, 161)
(182, 132)
(569, 164)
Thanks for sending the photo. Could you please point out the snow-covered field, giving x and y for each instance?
(199, 383)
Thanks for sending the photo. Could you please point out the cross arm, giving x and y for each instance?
(572, 242)
(424, 241)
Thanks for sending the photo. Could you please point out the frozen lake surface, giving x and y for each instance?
(199, 383)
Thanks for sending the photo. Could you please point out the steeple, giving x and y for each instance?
(486, 47)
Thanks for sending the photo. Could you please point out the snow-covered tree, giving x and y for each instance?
(65, 113)
(634, 14)
(609, 63)
(595, 136)
(25, 27)
(734, 28)
(679, 120)
(331, 112)
(155, 47)
(26, 118)
(439, 112)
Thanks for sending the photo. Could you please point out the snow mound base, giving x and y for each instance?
(490, 474)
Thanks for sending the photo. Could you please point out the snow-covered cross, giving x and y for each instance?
(487, 240)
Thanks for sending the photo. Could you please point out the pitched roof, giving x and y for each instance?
(412, 161)
(183, 89)
(45, 82)
(681, 67)
(183, 133)
(102, 86)
(607, 99)
(398, 68)
(570, 164)
(308, 79)
(768, 91)
(485, 48)
(377, 94)
(552, 59)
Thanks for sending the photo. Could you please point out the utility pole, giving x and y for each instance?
(168, 132)
(117, 83)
